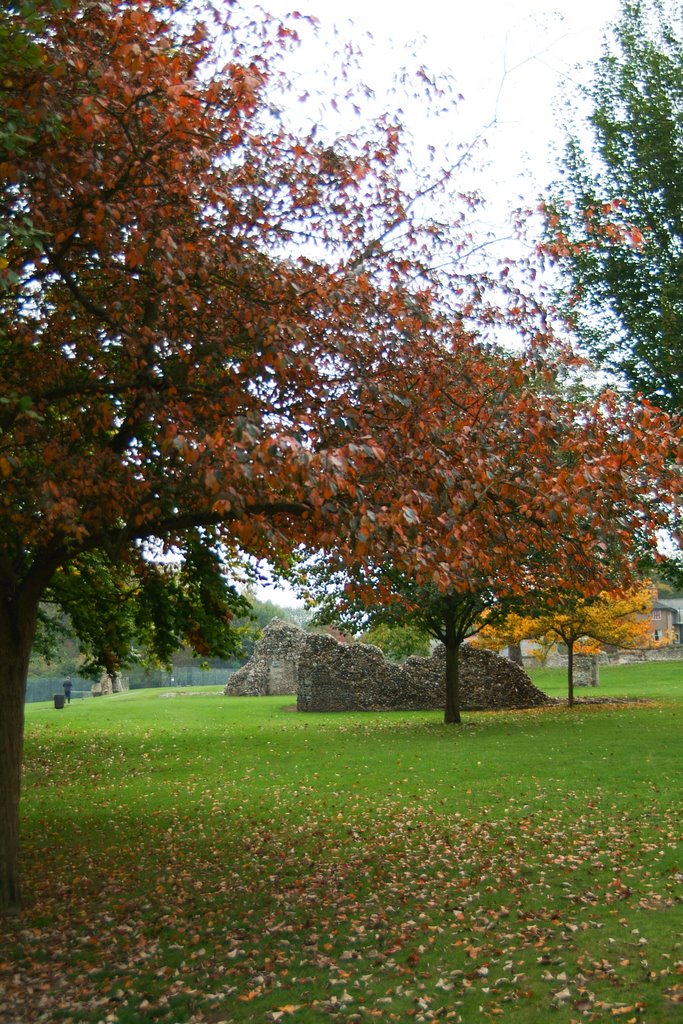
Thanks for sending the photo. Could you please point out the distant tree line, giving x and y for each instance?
(58, 652)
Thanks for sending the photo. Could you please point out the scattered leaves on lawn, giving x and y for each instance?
(341, 905)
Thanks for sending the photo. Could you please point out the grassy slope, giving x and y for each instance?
(199, 858)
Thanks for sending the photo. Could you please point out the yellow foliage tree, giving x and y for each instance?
(583, 624)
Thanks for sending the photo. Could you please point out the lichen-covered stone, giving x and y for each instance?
(330, 676)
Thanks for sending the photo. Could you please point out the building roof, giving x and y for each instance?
(672, 605)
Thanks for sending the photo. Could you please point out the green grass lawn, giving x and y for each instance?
(196, 858)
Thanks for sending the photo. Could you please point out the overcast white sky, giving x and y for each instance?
(509, 59)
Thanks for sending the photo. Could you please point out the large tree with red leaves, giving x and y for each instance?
(190, 296)
(185, 287)
(209, 322)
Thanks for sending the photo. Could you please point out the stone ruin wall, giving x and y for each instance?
(614, 656)
(670, 652)
(327, 675)
(585, 670)
(272, 669)
(107, 684)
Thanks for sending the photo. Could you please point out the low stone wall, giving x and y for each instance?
(673, 652)
(330, 676)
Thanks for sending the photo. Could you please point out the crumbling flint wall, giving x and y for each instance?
(272, 669)
(326, 675)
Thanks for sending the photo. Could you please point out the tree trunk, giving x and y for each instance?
(570, 674)
(452, 715)
(16, 638)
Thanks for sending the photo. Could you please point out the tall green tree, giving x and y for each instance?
(616, 217)
(397, 641)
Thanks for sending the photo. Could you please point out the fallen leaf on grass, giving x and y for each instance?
(562, 996)
(674, 994)
(252, 994)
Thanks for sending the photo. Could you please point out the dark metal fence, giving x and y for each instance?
(45, 687)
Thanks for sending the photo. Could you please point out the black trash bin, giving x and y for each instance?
(59, 700)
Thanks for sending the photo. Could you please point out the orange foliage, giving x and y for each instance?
(618, 619)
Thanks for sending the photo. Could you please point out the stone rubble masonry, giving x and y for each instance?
(107, 684)
(272, 669)
(586, 670)
(327, 675)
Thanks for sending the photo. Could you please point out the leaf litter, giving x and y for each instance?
(320, 902)
(393, 912)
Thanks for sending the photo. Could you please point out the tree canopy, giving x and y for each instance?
(127, 613)
(494, 485)
(615, 220)
(198, 305)
(397, 641)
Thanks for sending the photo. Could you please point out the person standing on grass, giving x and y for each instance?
(67, 689)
